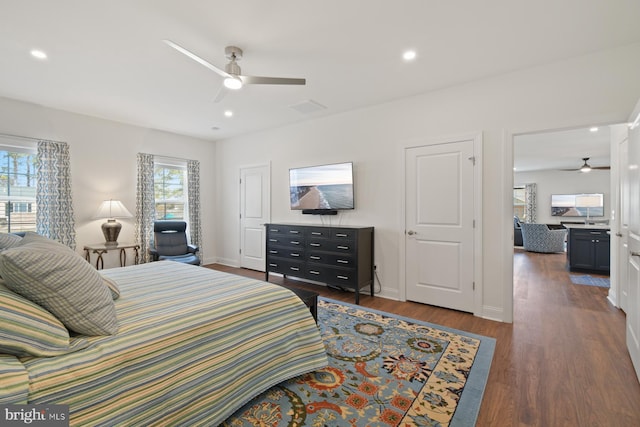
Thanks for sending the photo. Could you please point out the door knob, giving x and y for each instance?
(411, 232)
(619, 234)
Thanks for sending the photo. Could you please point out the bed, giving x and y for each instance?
(192, 345)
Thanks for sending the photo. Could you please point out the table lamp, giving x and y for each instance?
(588, 201)
(112, 209)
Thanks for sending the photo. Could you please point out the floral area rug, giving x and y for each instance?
(384, 370)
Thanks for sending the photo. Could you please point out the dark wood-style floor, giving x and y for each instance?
(563, 361)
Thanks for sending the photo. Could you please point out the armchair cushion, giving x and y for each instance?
(539, 238)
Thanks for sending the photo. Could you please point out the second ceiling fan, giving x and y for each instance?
(233, 79)
(586, 167)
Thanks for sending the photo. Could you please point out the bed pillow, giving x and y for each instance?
(112, 285)
(61, 281)
(26, 329)
(8, 240)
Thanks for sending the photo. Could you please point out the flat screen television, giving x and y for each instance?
(577, 205)
(321, 189)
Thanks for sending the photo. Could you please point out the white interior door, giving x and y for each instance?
(633, 296)
(255, 208)
(439, 237)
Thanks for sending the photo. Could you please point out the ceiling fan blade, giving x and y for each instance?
(221, 93)
(256, 80)
(197, 58)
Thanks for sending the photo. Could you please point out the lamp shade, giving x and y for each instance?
(112, 209)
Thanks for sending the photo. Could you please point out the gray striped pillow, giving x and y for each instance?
(61, 281)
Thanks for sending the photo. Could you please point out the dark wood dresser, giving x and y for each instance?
(338, 256)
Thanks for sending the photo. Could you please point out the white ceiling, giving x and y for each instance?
(107, 58)
(561, 150)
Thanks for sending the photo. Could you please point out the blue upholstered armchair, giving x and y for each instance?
(539, 238)
(170, 243)
(517, 232)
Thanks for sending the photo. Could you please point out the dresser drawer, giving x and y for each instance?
(334, 276)
(285, 252)
(343, 234)
(318, 233)
(285, 266)
(331, 259)
(285, 240)
(345, 246)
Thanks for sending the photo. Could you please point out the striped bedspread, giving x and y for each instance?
(194, 345)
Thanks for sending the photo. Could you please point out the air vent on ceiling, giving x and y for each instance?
(307, 107)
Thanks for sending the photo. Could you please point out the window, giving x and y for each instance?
(519, 202)
(17, 189)
(170, 191)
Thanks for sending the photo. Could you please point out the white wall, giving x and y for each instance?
(561, 182)
(595, 89)
(103, 164)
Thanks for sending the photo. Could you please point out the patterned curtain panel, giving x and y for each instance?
(54, 218)
(193, 191)
(145, 205)
(531, 203)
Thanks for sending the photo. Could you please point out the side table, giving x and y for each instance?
(103, 248)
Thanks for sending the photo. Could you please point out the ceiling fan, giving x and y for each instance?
(586, 167)
(233, 79)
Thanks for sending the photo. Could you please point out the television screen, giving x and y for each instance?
(322, 187)
(591, 205)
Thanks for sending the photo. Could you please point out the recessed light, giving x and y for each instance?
(36, 53)
(593, 129)
(228, 113)
(409, 55)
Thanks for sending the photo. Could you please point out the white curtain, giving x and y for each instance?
(145, 205)
(54, 218)
(530, 208)
(193, 191)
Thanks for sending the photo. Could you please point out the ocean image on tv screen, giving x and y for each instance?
(338, 196)
(322, 187)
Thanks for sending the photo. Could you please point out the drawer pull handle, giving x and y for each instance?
(273, 240)
(275, 230)
(294, 254)
(295, 242)
(273, 252)
(314, 257)
(343, 261)
(343, 247)
(633, 253)
(316, 233)
(314, 272)
(343, 277)
(295, 268)
(314, 244)
(273, 265)
(294, 231)
(341, 235)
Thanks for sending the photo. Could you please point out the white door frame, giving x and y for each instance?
(477, 249)
(507, 212)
